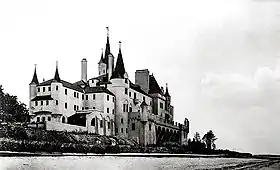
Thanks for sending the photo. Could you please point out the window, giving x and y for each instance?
(129, 94)
(56, 87)
(36, 103)
(133, 126)
(125, 90)
(121, 120)
(83, 97)
(49, 118)
(116, 130)
(83, 108)
(101, 123)
(113, 99)
(93, 107)
(65, 91)
(86, 108)
(56, 102)
(47, 102)
(42, 103)
(161, 105)
(44, 89)
(74, 94)
(107, 97)
(144, 98)
(126, 81)
(113, 111)
(38, 119)
(124, 107)
(126, 130)
(86, 97)
(49, 88)
(108, 110)
(63, 119)
(134, 95)
(65, 105)
(130, 109)
(77, 95)
(121, 130)
(77, 107)
(74, 107)
(93, 96)
(109, 125)
(103, 71)
(92, 122)
(38, 89)
(43, 119)
(150, 127)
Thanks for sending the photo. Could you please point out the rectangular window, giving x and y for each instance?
(77, 107)
(38, 119)
(56, 102)
(113, 111)
(134, 95)
(36, 103)
(130, 109)
(65, 105)
(43, 119)
(126, 81)
(109, 125)
(125, 91)
(86, 108)
(144, 98)
(101, 123)
(49, 118)
(150, 127)
(93, 122)
(47, 102)
(77, 95)
(65, 91)
(107, 97)
(44, 89)
(86, 97)
(121, 130)
(116, 130)
(126, 130)
(124, 107)
(133, 126)
(56, 88)
(83, 97)
(49, 88)
(74, 107)
(161, 105)
(93, 96)
(108, 110)
(83, 108)
(42, 103)
(38, 89)
(121, 120)
(113, 99)
(129, 94)
(93, 107)
(74, 94)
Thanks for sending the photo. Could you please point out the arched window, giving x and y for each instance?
(130, 108)
(63, 119)
(92, 122)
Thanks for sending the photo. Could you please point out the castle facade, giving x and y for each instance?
(109, 104)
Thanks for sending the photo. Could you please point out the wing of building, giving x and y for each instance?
(108, 104)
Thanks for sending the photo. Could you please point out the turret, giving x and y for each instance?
(167, 99)
(119, 71)
(84, 70)
(56, 75)
(144, 112)
(33, 85)
(110, 66)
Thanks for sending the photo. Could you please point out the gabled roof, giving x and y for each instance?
(98, 89)
(34, 79)
(80, 83)
(119, 69)
(137, 88)
(153, 86)
(46, 97)
(64, 83)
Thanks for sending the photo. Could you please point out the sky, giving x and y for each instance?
(220, 58)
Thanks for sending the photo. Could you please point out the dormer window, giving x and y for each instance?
(126, 81)
(44, 89)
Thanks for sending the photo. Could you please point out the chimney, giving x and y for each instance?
(110, 66)
(84, 70)
(142, 79)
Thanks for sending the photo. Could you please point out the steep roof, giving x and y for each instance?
(153, 86)
(166, 92)
(34, 79)
(46, 97)
(98, 89)
(137, 88)
(119, 69)
(64, 83)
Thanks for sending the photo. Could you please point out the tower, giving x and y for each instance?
(84, 70)
(32, 86)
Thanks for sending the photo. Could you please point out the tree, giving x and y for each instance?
(209, 139)
(11, 110)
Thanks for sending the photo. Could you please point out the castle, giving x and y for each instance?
(109, 104)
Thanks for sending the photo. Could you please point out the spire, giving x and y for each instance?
(34, 79)
(56, 75)
(101, 59)
(166, 91)
(107, 49)
(119, 69)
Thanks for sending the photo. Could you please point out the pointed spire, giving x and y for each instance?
(107, 49)
(34, 79)
(56, 75)
(101, 59)
(166, 91)
(119, 69)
